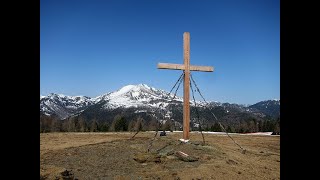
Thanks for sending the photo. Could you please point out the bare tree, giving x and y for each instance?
(153, 125)
(82, 125)
(139, 124)
(94, 126)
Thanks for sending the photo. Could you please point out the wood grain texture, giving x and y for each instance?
(186, 85)
(181, 67)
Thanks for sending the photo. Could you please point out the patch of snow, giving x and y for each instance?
(223, 133)
(121, 91)
(209, 132)
(139, 111)
(184, 140)
(162, 121)
(259, 133)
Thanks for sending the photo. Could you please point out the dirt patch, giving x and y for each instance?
(116, 156)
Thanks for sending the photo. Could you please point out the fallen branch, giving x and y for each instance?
(150, 144)
(185, 157)
(135, 134)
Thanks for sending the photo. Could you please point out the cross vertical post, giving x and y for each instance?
(186, 85)
(186, 67)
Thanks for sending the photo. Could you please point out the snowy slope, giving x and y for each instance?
(140, 95)
(62, 105)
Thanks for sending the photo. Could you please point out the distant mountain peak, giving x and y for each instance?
(269, 107)
(63, 105)
(134, 96)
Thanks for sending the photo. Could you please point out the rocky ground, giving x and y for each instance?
(117, 156)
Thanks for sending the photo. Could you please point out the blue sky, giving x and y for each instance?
(93, 47)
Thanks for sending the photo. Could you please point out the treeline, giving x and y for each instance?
(123, 123)
(248, 126)
(78, 124)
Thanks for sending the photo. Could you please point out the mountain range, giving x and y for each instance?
(146, 101)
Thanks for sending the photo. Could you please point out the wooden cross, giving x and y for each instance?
(186, 67)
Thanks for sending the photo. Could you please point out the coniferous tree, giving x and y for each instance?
(277, 126)
(119, 123)
(104, 127)
(252, 126)
(216, 127)
(229, 129)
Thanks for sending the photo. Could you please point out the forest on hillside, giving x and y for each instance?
(122, 122)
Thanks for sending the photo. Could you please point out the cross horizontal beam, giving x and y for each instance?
(182, 67)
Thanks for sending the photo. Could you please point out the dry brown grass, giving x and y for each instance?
(110, 156)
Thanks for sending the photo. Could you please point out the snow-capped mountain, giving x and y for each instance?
(140, 95)
(62, 105)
